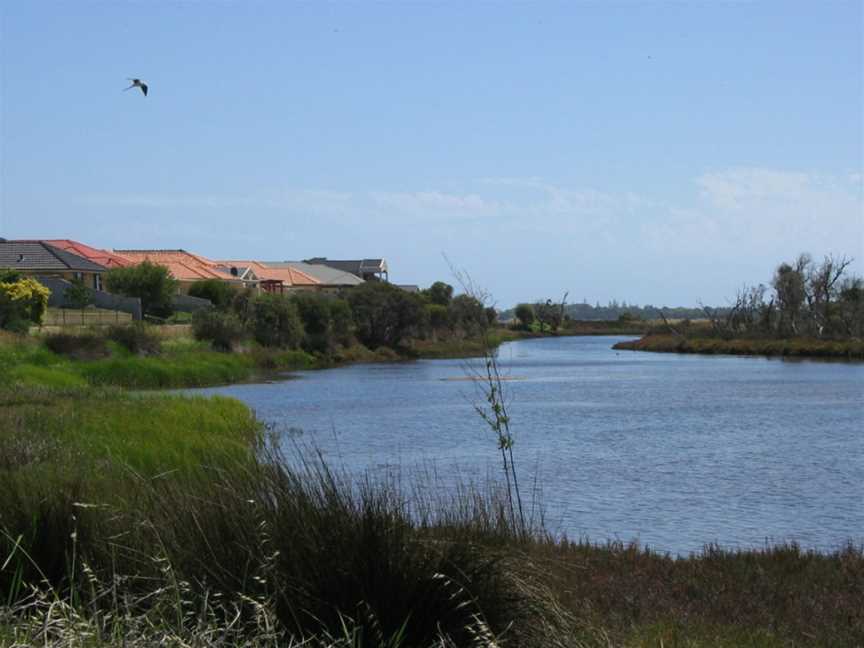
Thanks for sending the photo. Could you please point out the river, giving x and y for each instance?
(674, 451)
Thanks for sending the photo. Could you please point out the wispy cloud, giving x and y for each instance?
(469, 204)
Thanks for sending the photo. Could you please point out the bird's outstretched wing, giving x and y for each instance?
(129, 88)
(144, 89)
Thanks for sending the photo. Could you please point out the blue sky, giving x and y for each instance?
(661, 153)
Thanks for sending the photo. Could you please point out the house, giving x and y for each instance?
(366, 269)
(34, 258)
(188, 268)
(329, 279)
(103, 257)
(271, 278)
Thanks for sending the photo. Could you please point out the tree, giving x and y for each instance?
(222, 330)
(469, 314)
(275, 322)
(850, 306)
(439, 317)
(789, 290)
(151, 283)
(525, 315)
(314, 311)
(821, 290)
(217, 292)
(439, 293)
(548, 314)
(78, 295)
(384, 314)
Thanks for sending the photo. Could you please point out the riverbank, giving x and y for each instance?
(791, 348)
(174, 532)
(164, 519)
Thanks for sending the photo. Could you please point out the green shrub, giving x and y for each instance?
(275, 322)
(218, 292)
(136, 338)
(384, 315)
(151, 283)
(223, 330)
(86, 346)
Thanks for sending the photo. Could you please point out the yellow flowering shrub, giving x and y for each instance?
(22, 302)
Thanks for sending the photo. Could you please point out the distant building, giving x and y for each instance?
(188, 268)
(329, 279)
(33, 258)
(103, 257)
(272, 278)
(366, 269)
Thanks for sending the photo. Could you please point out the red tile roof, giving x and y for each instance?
(288, 276)
(183, 265)
(102, 257)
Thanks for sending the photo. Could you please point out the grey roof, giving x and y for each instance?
(358, 267)
(35, 255)
(325, 274)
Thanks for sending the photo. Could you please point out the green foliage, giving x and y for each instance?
(275, 322)
(85, 346)
(137, 338)
(150, 282)
(220, 293)
(341, 321)
(439, 316)
(23, 301)
(78, 295)
(549, 315)
(468, 314)
(525, 315)
(439, 293)
(384, 315)
(223, 330)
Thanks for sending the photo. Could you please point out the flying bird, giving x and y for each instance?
(137, 83)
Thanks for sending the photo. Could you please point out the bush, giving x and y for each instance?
(77, 295)
(223, 330)
(384, 315)
(23, 301)
(525, 315)
(137, 338)
(151, 283)
(468, 314)
(218, 292)
(87, 346)
(275, 322)
(439, 316)
(341, 321)
(326, 320)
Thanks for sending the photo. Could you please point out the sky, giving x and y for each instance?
(662, 153)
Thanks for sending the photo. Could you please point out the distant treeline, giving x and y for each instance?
(615, 310)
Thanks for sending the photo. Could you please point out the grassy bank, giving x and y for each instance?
(794, 347)
(256, 552)
(27, 362)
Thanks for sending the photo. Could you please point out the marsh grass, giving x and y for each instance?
(793, 347)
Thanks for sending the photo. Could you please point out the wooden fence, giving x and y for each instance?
(85, 317)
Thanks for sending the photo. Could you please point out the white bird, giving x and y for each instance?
(137, 83)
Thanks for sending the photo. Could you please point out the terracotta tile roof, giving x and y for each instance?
(102, 257)
(288, 276)
(183, 265)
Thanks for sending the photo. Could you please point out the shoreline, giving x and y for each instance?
(792, 348)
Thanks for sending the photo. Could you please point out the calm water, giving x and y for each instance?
(672, 450)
